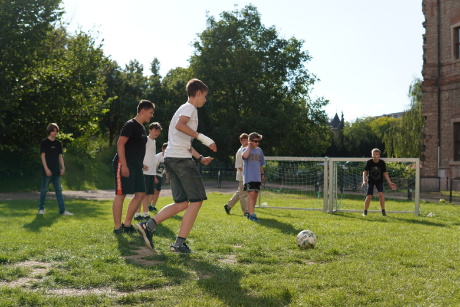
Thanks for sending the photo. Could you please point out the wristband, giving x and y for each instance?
(263, 174)
(200, 157)
(205, 140)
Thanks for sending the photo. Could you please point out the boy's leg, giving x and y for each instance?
(117, 208)
(169, 211)
(189, 219)
(56, 180)
(133, 206)
(252, 198)
(154, 197)
(231, 203)
(43, 191)
(243, 198)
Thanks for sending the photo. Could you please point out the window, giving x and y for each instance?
(456, 141)
(456, 43)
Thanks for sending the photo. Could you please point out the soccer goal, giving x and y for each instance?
(334, 185)
(295, 183)
(345, 185)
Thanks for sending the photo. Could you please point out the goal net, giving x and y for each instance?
(294, 183)
(334, 184)
(345, 185)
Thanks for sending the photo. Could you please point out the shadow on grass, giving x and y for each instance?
(391, 217)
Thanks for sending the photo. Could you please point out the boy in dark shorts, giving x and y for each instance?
(377, 170)
(128, 164)
(253, 172)
(184, 176)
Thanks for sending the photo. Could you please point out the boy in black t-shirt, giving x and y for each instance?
(127, 166)
(53, 169)
(377, 170)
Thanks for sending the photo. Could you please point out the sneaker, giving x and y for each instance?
(384, 213)
(66, 213)
(253, 217)
(41, 212)
(128, 229)
(227, 209)
(118, 231)
(246, 214)
(146, 234)
(183, 249)
(138, 218)
(364, 214)
(152, 208)
(146, 217)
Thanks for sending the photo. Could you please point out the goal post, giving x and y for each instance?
(334, 184)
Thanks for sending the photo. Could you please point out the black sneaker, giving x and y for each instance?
(227, 209)
(118, 231)
(246, 214)
(146, 234)
(138, 217)
(128, 229)
(253, 217)
(146, 217)
(152, 208)
(183, 249)
(384, 213)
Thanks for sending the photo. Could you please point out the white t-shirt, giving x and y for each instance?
(239, 164)
(179, 143)
(160, 164)
(149, 158)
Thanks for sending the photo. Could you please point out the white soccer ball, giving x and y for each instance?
(306, 239)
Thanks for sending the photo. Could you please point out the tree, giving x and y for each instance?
(404, 138)
(258, 82)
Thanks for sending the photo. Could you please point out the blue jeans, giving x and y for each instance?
(56, 180)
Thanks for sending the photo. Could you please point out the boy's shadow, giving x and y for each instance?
(40, 221)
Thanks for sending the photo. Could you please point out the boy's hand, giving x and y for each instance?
(213, 147)
(393, 186)
(364, 183)
(206, 160)
(48, 172)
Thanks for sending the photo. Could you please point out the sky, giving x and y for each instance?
(366, 53)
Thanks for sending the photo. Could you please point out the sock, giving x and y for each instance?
(383, 210)
(146, 214)
(179, 241)
(152, 225)
(136, 214)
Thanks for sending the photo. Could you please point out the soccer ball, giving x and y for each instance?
(306, 239)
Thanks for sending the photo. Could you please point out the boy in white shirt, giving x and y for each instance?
(160, 170)
(186, 184)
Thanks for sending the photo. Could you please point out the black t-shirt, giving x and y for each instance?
(375, 170)
(52, 150)
(135, 146)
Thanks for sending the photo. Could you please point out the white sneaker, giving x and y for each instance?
(66, 213)
(41, 211)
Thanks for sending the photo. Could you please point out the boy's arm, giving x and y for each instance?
(200, 158)
(61, 162)
(121, 155)
(262, 173)
(245, 154)
(45, 166)
(391, 184)
(181, 126)
(364, 178)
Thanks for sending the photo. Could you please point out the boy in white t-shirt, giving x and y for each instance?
(184, 176)
(160, 171)
(149, 170)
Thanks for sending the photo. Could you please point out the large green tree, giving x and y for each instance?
(258, 82)
(404, 138)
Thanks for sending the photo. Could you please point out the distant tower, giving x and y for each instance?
(441, 90)
(335, 123)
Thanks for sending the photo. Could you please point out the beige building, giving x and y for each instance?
(441, 91)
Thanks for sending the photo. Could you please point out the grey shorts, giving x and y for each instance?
(185, 180)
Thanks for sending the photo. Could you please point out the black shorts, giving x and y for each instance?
(149, 184)
(135, 183)
(252, 186)
(370, 188)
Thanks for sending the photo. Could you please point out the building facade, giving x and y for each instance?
(441, 90)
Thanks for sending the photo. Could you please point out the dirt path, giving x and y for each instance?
(227, 187)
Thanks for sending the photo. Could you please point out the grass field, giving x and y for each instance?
(400, 260)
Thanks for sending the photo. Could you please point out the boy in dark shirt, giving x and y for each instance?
(377, 170)
(53, 169)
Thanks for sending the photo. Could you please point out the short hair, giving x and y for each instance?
(375, 150)
(145, 105)
(164, 145)
(244, 136)
(155, 125)
(255, 135)
(195, 85)
(51, 127)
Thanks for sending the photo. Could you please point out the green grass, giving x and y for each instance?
(401, 260)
